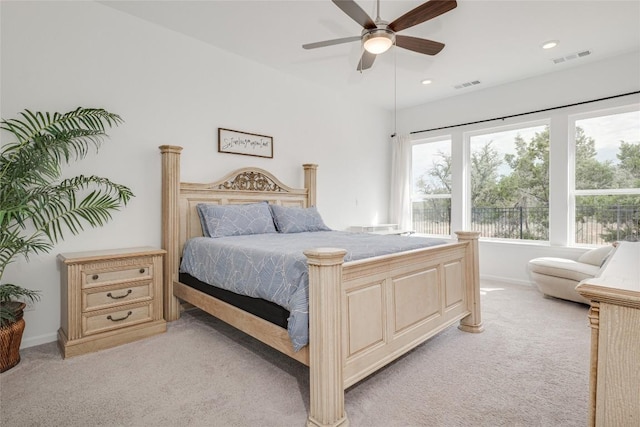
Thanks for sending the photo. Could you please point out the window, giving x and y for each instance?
(510, 183)
(431, 187)
(500, 180)
(607, 177)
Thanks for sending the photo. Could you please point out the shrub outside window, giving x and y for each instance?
(606, 192)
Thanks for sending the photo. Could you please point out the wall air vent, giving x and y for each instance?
(467, 84)
(577, 55)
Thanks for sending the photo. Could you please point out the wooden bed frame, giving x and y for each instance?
(362, 314)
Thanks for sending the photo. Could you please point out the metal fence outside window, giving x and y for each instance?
(594, 225)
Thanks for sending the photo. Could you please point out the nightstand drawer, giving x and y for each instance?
(116, 295)
(141, 271)
(96, 322)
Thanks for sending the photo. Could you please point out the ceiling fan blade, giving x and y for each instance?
(422, 13)
(331, 42)
(356, 13)
(366, 60)
(428, 47)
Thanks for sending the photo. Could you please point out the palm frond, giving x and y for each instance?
(11, 292)
(55, 208)
(45, 139)
(12, 214)
(34, 124)
(35, 209)
(13, 244)
(6, 316)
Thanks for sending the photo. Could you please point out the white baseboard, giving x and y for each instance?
(501, 279)
(40, 339)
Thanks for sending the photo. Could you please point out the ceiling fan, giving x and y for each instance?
(378, 36)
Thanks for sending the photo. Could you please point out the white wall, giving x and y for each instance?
(171, 89)
(567, 85)
(507, 261)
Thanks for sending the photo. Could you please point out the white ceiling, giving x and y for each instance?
(493, 42)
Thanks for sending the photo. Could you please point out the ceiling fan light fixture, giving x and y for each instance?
(378, 40)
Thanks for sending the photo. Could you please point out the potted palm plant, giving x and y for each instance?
(11, 322)
(37, 206)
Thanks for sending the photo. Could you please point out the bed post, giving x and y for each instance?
(170, 226)
(310, 182)
(473, 322)
(326, 406)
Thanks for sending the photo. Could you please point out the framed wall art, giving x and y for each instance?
(248, 144)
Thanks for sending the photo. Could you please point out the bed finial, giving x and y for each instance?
(170, 226)
(310, 170)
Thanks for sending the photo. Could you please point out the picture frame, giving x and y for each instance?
(244, 143)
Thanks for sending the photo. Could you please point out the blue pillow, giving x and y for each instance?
(297, 220)
(235, 220)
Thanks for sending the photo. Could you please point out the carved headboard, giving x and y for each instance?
(180, 220)
(248, 185)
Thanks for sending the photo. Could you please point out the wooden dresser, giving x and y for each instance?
(109, 298)
(615, 339)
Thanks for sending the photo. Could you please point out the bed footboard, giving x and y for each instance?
(365, 314)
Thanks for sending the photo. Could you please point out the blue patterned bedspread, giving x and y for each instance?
(273, 267)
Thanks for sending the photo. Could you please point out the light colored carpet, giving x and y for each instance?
(529, 368)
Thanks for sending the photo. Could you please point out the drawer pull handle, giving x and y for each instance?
(142, 270)
(120, 319)
(120, 296)
(95, 277)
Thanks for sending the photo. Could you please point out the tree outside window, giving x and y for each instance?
(431, 187)
(607, 178)
(510, 182)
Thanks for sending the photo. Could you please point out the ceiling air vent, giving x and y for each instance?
(467, 84)
(577, 55)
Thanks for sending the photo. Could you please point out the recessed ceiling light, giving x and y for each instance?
(426, 82)
(550, 44)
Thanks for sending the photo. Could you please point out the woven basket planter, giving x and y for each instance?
(10, 340)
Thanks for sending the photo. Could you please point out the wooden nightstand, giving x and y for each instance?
(109, 298)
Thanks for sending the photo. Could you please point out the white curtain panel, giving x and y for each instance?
(400, 197)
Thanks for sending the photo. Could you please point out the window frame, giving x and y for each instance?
(431, 140)
(514, 125)
(573, 193)
(561, 226)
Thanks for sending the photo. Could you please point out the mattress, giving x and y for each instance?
(262, 308)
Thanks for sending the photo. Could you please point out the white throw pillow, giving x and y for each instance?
(596, 256)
